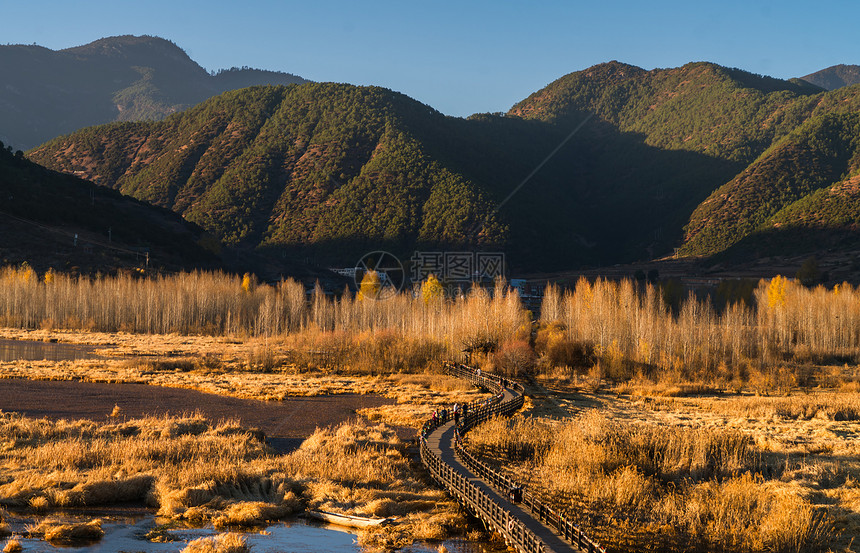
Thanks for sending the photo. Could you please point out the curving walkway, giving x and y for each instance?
(487, 496)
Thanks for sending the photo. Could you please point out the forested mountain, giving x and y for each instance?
(825, 150)
(835, 77)
(701, 107)
(699, 157)
(785, 140)
(49, 219)
(319, 164)
(343, 169)
(47, 93)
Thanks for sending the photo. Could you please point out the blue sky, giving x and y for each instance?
(459, 57)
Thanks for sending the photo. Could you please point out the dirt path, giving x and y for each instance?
(285, 423)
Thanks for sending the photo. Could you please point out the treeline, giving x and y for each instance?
(615, 330)
(222, 304)
(630, 332)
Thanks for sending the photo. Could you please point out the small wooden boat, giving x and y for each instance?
(350, 521)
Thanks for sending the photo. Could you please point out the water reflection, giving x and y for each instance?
(14, 350)
(128, 533)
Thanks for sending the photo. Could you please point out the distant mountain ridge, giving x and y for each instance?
(47, 93)
(835, 76)
(701, 158)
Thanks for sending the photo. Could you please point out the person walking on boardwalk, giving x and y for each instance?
(456, 410)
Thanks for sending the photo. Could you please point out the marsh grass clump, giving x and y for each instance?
(12, 546)
(58, 532)
(257, 513)
(222, 543)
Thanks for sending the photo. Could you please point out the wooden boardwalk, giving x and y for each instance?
(528, 526)
(441, 442)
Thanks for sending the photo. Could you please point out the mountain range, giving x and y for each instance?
(611, 164)
(835, 76)
(47, 93)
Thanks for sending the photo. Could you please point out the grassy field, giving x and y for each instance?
(200, 471)
(731, 472)
(661, 424)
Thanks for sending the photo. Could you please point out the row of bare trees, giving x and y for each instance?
(217, 303)
(622, 324)
(626, 323)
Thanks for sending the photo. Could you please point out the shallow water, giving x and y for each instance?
(127, 534)
(14, 350)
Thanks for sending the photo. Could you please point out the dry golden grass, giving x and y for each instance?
(222, 543)
(827, 405)
(13, 546)
(665, 389)
(797, 487)
(653, 477)
(417, 394)
(191, 469)
(59, 532)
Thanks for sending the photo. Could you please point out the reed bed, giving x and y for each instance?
(830, 406)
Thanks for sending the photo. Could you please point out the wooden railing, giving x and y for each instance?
(472, 497)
